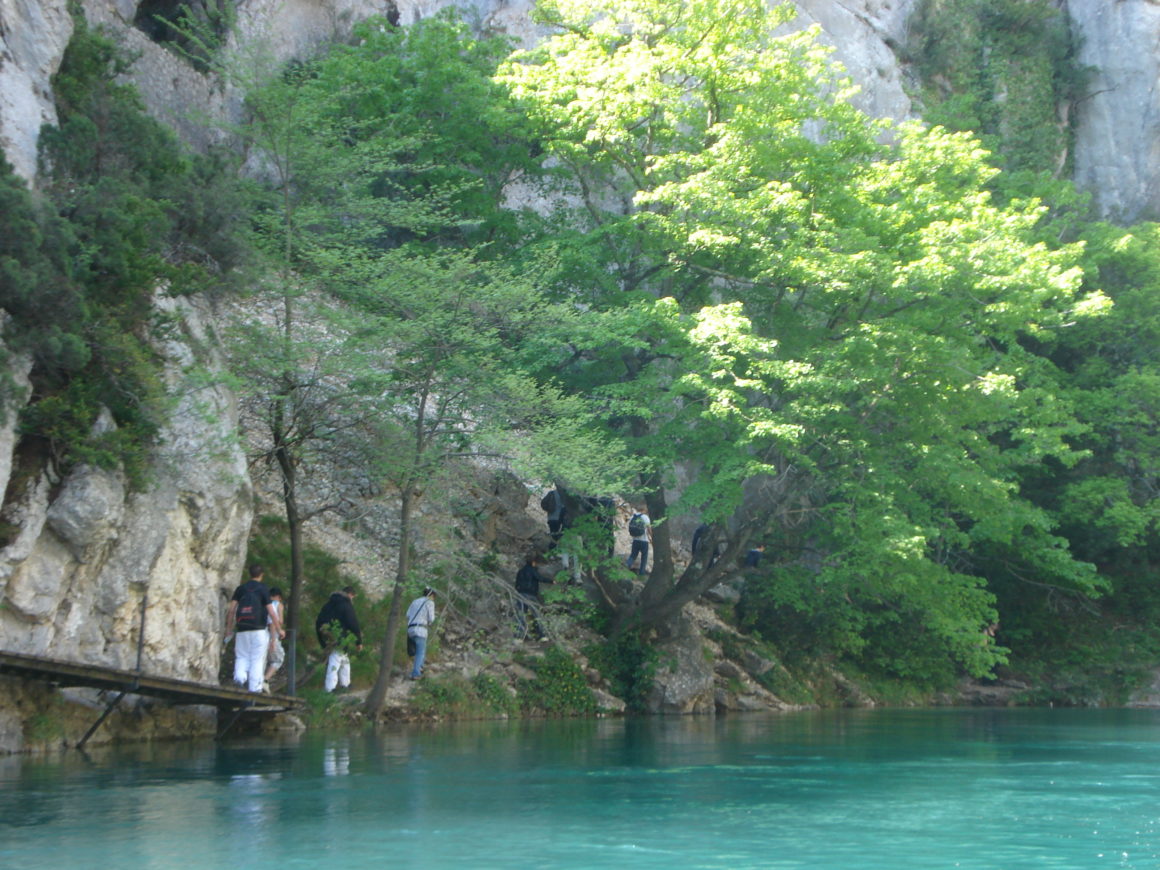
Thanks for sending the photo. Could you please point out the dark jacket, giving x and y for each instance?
(339, 608)
(528, 580)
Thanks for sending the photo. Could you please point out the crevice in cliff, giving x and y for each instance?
(30, 458)
(193, 29)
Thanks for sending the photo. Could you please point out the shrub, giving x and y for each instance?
(559, 687)
(629, 665)
(494, 695)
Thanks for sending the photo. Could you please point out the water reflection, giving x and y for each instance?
(867, 789)
(336, 760)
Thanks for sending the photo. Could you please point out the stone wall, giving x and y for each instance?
(1117, 149)
(85, 550)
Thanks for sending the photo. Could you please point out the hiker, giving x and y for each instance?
(250, 612)
(336, 623)
(640, 530)
(553, 505)
(754, 556)
(277, 654)
(420, 614)
(559, 521)
(528, 580)
(699, 536)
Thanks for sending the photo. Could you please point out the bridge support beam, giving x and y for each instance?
(92, 730)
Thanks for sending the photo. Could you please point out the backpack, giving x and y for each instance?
(636, 525)
(250, 610)
(548, 502)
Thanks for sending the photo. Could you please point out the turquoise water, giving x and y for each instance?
(856, 789)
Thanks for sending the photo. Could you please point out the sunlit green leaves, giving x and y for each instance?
(837, 306)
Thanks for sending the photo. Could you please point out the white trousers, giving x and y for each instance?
(250, 658)
(337, 670)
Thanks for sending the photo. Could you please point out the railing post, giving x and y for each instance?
(292, 662)
(141, 633)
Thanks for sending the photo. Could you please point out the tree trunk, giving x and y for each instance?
(376, 700)
(286, 464)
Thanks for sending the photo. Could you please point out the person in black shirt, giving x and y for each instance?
(528, 580)
(250, 612)
(335, 623)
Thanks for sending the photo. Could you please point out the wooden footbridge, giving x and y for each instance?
(231, 702)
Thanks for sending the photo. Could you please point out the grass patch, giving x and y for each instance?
(454, 697)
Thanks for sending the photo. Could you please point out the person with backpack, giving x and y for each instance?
(640, 530)
(251, 610)
(420, 615)
(336, 626)
(528, 580)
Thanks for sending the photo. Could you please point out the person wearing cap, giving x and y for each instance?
(420, 614)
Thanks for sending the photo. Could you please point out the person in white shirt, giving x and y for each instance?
(420, 614)
(277, 654)
(640, 530)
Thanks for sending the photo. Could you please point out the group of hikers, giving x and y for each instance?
(255, 614)
(560, 519)
(254, 621)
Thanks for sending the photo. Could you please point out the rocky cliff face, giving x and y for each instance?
(1117, 155)
(86, 552)
(1117, 149)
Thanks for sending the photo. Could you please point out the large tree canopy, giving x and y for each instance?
(829, 321)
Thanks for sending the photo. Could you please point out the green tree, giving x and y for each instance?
(396, 149)
(833, 326)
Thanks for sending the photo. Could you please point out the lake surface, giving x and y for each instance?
(995, 789)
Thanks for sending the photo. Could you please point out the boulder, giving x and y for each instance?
(683, 682)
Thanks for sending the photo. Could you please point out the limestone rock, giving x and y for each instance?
(19, 365)
(1117, 148)
(88, 553)
(33, 35)
(865, 35)
(607, 702)
(729, 670)
(756, 665)
(723, 593)
(684, 680)
(995, 693)
(88, 510)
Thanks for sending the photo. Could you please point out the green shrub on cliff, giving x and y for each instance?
(123, 214)
(1006, 70)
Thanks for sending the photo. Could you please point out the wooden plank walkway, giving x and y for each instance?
(71, 674)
